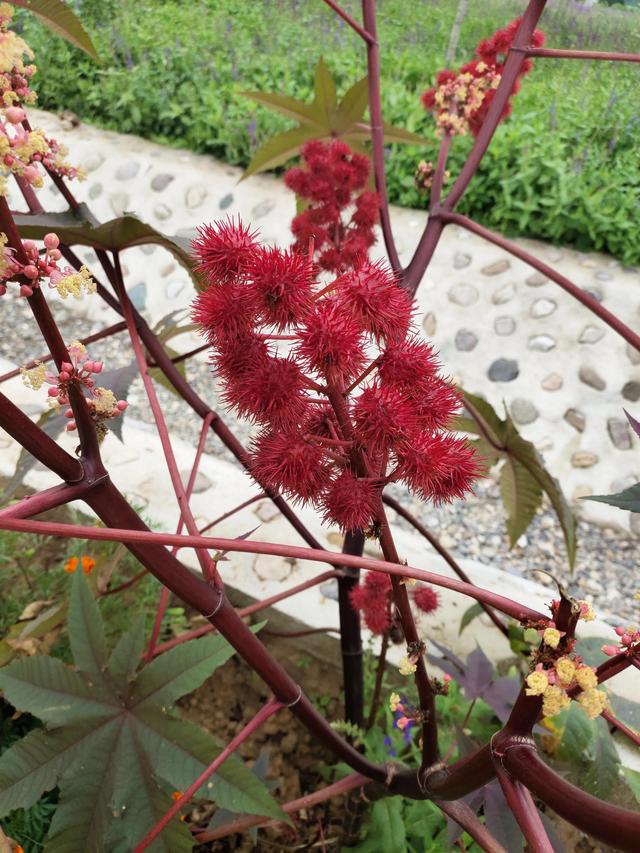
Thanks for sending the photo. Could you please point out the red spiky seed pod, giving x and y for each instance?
(426, 599)
(372, 598)
(382, 417)
(223, 249)
(408, 363)
(351, 502)
(280, 285)
(371, 294)
(284, 461)
(330, 342)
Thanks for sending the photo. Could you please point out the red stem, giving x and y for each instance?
(377, 130)
(525, 812)
(241, 824)
(604, 821)
(606, 316)
(268, 710)
(582, 54)
(90, 339)
(441, 165)
(622, 727)
(368, 38)
(256, 607)
(233, 511)
(520, 612)
(462, 814)
(45, 500)
(435, 543)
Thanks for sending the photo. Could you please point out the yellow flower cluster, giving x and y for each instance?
(75, 283)
(407, 666)
(537, 683)
(458, 99)
(593, 702)
(12, 47)
(554, 700)
(586, 611)
(551, 637)
(34, 377)
(394, 701)
(104, 401)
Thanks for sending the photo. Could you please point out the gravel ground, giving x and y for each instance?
(606, 570)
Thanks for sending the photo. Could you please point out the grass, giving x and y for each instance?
(174, 72)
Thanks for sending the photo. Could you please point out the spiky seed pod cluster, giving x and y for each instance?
(347, 397)
(340, 213)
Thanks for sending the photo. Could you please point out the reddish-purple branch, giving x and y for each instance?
(582, 296)
(582, 54)
(368, 38)
(241, 824)
(465, 818)
(268, 710)
(76, 531)
(525, 812)
(604, 821)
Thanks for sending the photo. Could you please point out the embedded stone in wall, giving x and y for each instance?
(576, 419)
(465, 340)
(541, 343)
(429, 324)
(619, 433)
(497, 267)
(503, 370)
(552, 382)
(463, 294)
(591, 378)
(584, 459)
(523, 411)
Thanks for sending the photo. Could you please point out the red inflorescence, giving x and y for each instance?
(347, 397)
(372, 598)
(426, 599)
(334, 179)
(461, 99)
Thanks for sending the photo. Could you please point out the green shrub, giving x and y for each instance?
(174, 72)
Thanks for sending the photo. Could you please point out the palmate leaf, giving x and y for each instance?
(115, 742)
(31, 630)
(324, 118)
(603, 775)
(627, 499)
(59, 17)
(125, 232)
(525, 479)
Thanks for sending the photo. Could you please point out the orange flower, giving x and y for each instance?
(176, 795)
(71, 565)
(86, 562)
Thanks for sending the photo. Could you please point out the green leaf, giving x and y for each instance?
(82, 816)
(180, 670)
(603, 774)
(86, 631)
(506, 443)
(118, 234)
(289, 107)
(391, 134)
(353, 105)
(577, 735)
(521, 495)
(181, 752)
(126, 656)
(469, 615)
(34, 764)
(627, 499)
(324, 88)
(389, 825)
(47, 688)
(632, 778)
(279, 149)
(119, 380)
(61, 20)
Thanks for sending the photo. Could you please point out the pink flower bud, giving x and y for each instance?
(610, 650)
(31, 173)
(88, 365)
(30, 271)
(89, 383)
(68, 413)
(626, 639)
(3, 290)
(51, 241)
(55, 254)
(97, 366)
(9, 160)
(619, 630)
(30, 248)
(64, 376)
(66, 366)
(15, 115)
(25, 290)
(62, 399)
(121, 405)
(53, 391)
(71, 426)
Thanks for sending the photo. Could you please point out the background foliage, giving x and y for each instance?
(570, 150)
